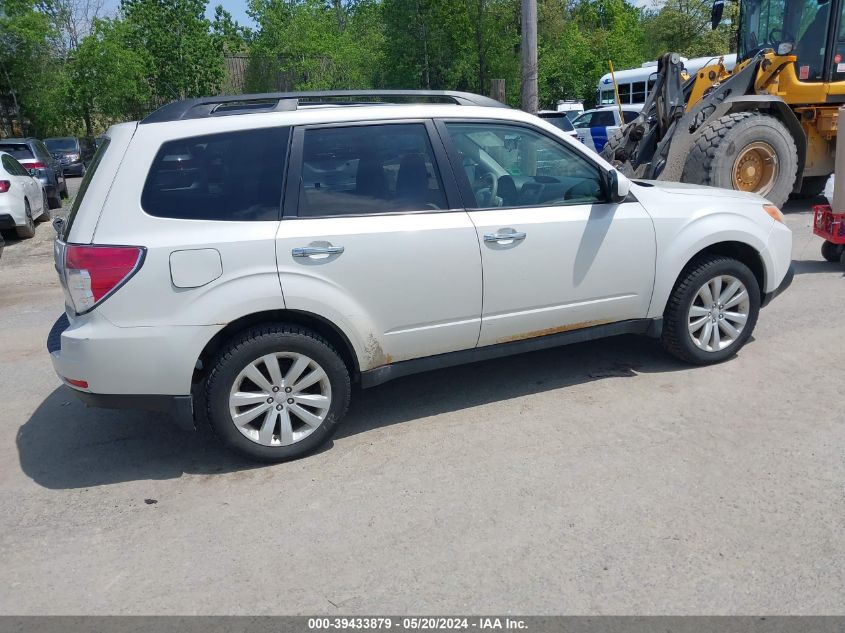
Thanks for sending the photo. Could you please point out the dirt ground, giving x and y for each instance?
(599, 478)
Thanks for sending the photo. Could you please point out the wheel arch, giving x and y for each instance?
(320, 325)
(740, 251)
(740, 245)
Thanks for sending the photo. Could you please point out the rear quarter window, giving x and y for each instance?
(83, 188)
(234, 176)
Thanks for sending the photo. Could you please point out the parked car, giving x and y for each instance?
(254, 260)
(559, 119)
(36, 158)
(595, 126)
(74, 153)
(23, 200)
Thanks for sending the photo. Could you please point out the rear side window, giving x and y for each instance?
(369, 169)
(629, 115)
(603, 118)
(234, 176)
(83, 188)
(18, 151)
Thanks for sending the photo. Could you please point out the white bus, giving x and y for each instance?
(635, 83)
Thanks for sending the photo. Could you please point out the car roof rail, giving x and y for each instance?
(203, 107)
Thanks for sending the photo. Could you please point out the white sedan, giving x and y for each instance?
(22, 199)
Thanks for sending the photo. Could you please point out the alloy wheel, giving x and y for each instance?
(280, 399)
(718, 313)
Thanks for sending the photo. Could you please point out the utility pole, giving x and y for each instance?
(529, 56)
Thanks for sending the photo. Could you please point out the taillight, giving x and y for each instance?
(4, 186)
(92, 273)
(36, 165)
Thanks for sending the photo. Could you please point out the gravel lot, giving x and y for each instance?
(599, 478)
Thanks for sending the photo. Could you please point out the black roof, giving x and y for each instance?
(288, 101)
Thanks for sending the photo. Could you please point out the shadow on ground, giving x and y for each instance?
(64, 445)
(809, 266)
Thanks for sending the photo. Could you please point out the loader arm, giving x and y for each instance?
(655, 145)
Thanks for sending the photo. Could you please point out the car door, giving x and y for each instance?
(375, 239)
(556, 255)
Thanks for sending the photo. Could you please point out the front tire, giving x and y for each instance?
(747, 151)
(712, 310)
(276, 392)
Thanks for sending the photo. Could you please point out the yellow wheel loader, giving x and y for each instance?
(769, 126)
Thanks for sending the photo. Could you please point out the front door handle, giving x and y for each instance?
(310, 251)
(505, 236)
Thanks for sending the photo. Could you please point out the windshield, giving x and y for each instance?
(786, 26)
(558, 119)
(61, 144)
(20, 152)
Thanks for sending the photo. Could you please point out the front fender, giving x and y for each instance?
(676, 249)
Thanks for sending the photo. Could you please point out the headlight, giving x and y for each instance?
(773, 212)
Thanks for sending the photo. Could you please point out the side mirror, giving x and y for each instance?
(716, 13)
(618, 186)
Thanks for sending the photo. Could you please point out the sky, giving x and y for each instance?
(236, 7)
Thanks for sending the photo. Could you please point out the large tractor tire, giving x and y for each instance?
(812, 186)
(748, 151)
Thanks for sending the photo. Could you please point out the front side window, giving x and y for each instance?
(234, 176)
(513, 166)
(800, 25)
(368, 169)
(583, 121)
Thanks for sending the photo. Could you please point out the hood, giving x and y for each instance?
(686, 189)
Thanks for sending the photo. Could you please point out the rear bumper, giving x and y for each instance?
(787, 281)
(180, 408)
(127, 368)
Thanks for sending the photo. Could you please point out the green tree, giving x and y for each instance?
(577, 41)
(31, 76)
(108, 78)
(182, 56)
(683, 26)
(314, 44)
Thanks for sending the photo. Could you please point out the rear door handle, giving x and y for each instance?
(503, 236)
(310, 251)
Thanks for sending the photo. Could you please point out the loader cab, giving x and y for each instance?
(812, 30)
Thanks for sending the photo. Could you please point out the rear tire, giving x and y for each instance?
(27, 230)
(723, 143)
(684, 337)
(278, 422)
(45, 216)
(832, 252)
(56, 201)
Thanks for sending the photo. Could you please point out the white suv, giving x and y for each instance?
(246, 260)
